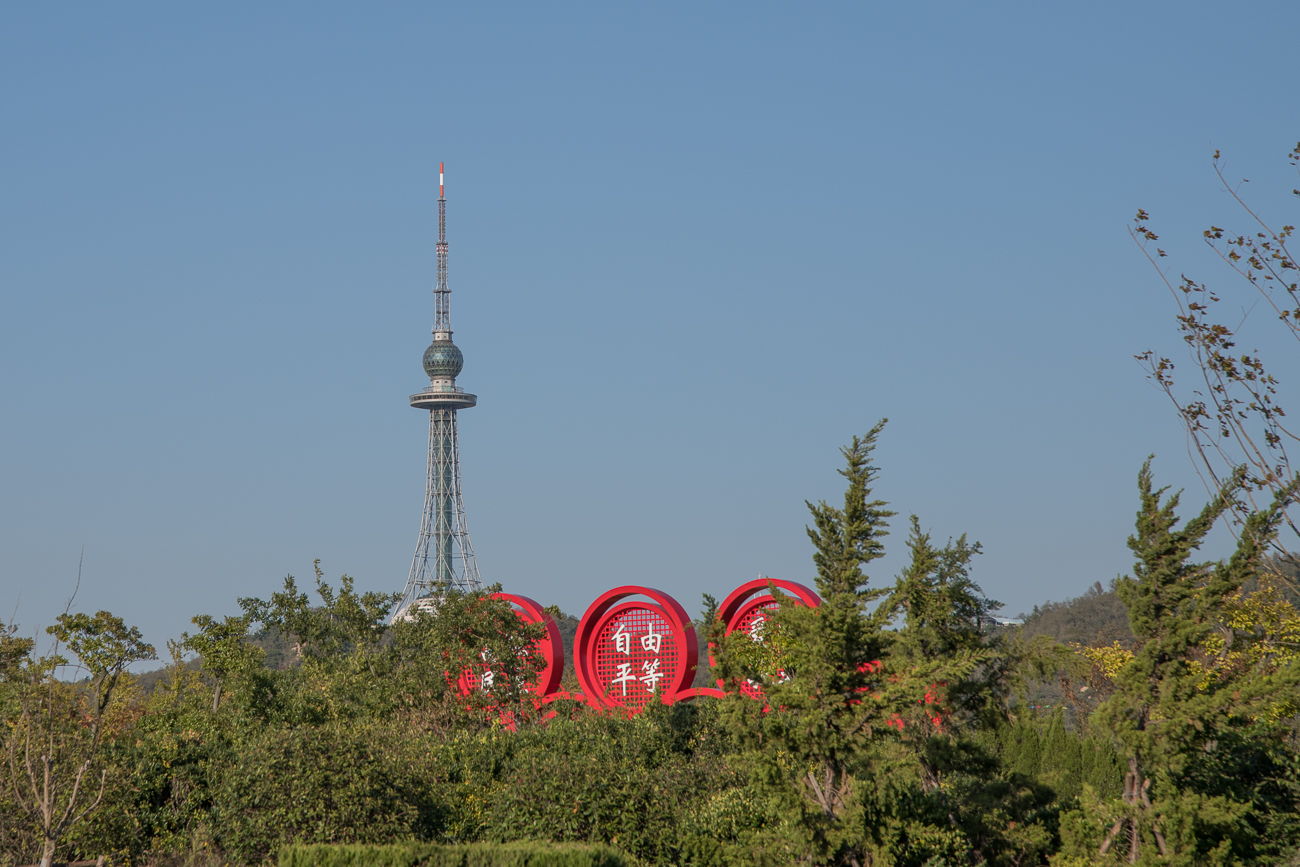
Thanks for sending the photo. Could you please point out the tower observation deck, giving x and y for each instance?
(444, 557)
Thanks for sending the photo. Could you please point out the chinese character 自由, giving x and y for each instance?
(623, 640)
(651, 641)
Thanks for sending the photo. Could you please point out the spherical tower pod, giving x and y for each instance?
(628, 652)
(744, 608)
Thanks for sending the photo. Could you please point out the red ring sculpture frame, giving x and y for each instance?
(738, 604)
(551, 647)
(599, 613)
(742, 602)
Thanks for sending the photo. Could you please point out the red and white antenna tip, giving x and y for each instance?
(440, 180)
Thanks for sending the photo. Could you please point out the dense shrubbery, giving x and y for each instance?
(1040, 748)
(469, 855)
(894, 730)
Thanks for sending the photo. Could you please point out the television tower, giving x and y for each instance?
(444, 557)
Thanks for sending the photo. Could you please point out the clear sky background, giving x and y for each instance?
(694, 249)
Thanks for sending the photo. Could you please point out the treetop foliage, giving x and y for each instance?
(1234, 411)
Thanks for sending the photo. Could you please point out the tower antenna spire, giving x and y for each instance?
(442, 293)
(444, 558)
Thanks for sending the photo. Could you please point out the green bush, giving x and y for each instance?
(469, 855)
(333, 784)
(1040, 748)
(625, 783)
(596, 779)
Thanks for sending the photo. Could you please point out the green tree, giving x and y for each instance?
(56, 739)
(224, 648)
(160, 799)
(832, 700)
(340, 653)
(106, 646)
(950, 797)
(943, 636)
(353, 663)
(345, 624)
(1167, 715)
(467, 634)
(13, 652)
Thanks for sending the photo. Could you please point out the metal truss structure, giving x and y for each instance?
(444, 556)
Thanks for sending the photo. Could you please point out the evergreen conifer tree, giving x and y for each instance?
(941, 651)
(1166, 714)
(951, 676)
(810, 744)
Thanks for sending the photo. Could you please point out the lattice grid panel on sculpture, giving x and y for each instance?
(473, 680)
(629, 669)
(750, 622)
(473, 677)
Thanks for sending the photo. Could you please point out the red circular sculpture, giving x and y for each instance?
(627, 653)
(743, 611)
(551, 647)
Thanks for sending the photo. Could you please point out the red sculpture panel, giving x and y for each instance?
(630, 651)
(635, 646)
(551, 647)
(745, 610)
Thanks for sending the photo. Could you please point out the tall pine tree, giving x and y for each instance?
(1166, 713)
(811, 742)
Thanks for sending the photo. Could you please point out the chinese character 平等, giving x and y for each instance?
(624, 675)
(652, 674)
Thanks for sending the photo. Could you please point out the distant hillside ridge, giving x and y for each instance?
(1096, 617)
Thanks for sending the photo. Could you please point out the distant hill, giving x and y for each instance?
(149, 680)
(1287, 567)
(1096, 617)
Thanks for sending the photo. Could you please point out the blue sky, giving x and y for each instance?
(694, 249)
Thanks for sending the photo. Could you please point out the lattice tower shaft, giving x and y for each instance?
(444, 555)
